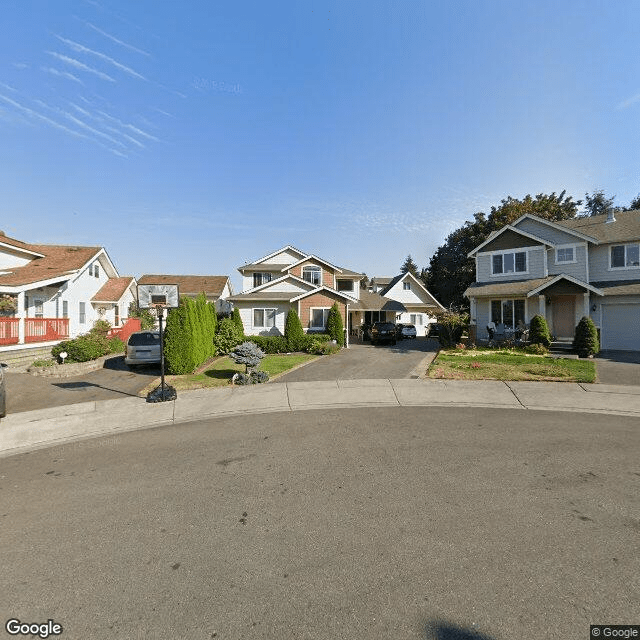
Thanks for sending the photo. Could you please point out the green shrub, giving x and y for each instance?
(270, 344)
(235, 316)
(88, 346)
(453, 325)
(43, 363)
(585, 340)
(255, 377)
(335, 328)
(536, 349)
(322, 348)
(228, 336)
(147, 319)
(101, 327)
(293, 332)
(116, 345)
(178, 341)
(249, 354)
(539, 331)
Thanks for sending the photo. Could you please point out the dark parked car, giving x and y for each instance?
(383, 332)
(434, 330)
(3, 392)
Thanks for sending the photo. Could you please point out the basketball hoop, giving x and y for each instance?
(158, 310)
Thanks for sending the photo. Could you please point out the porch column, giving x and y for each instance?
(542, 306)
(20, 313)
(585, 297)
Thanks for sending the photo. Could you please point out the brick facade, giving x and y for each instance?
(323, 300)
(327, 274)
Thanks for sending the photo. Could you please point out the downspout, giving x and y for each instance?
(346, 324)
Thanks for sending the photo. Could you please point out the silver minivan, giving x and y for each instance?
(143, 347)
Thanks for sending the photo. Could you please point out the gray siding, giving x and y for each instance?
(535, 264)
(576, 269)
(599, 266)
(547, 233)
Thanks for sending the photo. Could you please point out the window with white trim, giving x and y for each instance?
(38, 308)
(264, 318)
(509, 262)
(508, 312)
(318, 318)
(406, 286)
(313, 274)
(625, 256)
(65, 309)
(345, 285)
(260, 278)
(82, 316)
(96, 270)
(565, 254)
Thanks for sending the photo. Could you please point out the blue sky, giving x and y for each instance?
(191, 137)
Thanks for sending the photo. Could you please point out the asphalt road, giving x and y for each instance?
(366, 362)
(467, 524)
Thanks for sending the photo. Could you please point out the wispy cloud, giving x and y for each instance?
(629, 102)
(62, 74)
(80, 48)
(80, 65)
(20, 65)
(102, 123)
(130, 127)
(116, 40)
(8, 87)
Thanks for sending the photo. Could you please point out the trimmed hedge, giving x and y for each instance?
(539, 331)
(293, 332)
(235, 316)
(585, 340)
(88, 346)
(279, 344)
(335, 328)
(228, 336)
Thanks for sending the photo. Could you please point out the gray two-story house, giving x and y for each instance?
(562, 270)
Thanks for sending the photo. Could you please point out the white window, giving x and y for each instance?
(82, 316)
(261, 278)
(96, 270)
(312, 274)
(345, 285)
(406, 286)
(65, 309)
(625, 256)
(565, 254)
(318, 319)
(90, 269)
(416, 318)
(38, 308)
(264, 318)
(510, 262)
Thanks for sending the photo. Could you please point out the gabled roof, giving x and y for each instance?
(275, 253)
(12, 243)
(625, 228)
(560, 225)
(312, 258)
(113, 289)
(342, 294)
(211, 286)
(508, 227)
(370, 301)
(563, 276)
(57, 264)
(286, 276)
(409, 275)
(528, 288)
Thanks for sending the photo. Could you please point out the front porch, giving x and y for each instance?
(17, 331)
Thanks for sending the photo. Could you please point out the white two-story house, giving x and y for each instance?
(290, 278)
(563, 270)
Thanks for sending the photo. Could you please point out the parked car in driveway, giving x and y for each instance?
(3, 392)
(434, 330)
(383, 332)
(143, 347)
(405, 331)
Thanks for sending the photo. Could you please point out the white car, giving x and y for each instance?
(143, 347)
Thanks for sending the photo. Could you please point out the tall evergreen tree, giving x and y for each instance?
(409, 266)
(597, 203)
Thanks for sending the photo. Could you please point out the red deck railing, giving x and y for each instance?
(45, 329)
(9, 330)
(130, 326)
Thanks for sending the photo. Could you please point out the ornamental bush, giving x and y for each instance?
(249, 354)
(453, 324)
(178, 340)
(88, 346)
(539, 331)
(270, 344)
(335, 328)
(585, 340)
(235, 316)
(101, 327)
(116, 345)
(228, 336)
(293, 332)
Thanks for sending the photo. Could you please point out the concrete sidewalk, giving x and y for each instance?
(34, 429)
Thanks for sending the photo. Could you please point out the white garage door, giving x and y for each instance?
(621, 327)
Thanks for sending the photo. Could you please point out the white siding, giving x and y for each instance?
(9, 259)
(284, 257)
(246, 314)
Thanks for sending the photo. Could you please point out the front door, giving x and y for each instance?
(563, 310)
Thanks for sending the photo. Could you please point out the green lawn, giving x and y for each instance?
(509, 365)
(219, 372)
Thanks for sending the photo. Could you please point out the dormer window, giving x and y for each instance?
(261, 278)
(406, 286)
(509, 262)
(312, 274)
(345, 285)
(96, 270)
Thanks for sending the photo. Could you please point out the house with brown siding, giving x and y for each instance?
(291, 278)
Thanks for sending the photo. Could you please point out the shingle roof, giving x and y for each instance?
(113, 289)
(264, 295)
(619, 288)
(511, 287)
(625, 228)
(189, 285)
(15, 243)
(375, 302)
(59, 261)
(263, 267)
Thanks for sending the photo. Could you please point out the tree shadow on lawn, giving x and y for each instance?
(221, 374)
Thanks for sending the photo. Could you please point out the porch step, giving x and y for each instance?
(23, 358)
(561, 347)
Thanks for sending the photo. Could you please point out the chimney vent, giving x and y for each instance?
(610, 216)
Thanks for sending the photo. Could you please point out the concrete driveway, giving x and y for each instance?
(26, 392)
(618, 367)
(361, 361)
